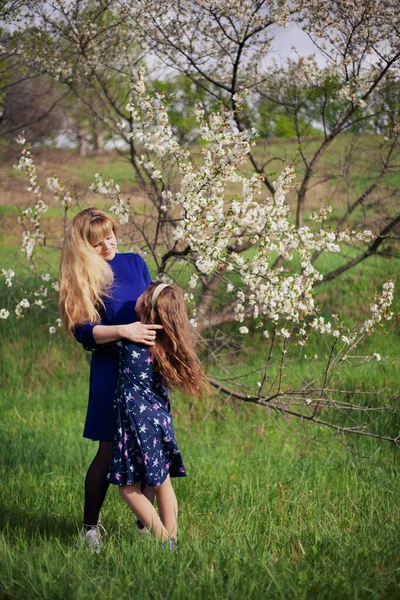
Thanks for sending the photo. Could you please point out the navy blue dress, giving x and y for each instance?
(131, 278)
(144, 447)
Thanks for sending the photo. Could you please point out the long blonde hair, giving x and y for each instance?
(85, 277)
(173, 354)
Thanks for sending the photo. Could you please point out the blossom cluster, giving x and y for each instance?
(218, 225)
(153, 129)
(9, 275)
(380, 309)
(112, 191)
(30, 216)
(38, 297)
(60, 191)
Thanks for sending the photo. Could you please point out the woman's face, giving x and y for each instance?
(107, 248)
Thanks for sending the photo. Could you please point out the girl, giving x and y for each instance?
(145, 452)
(98, 291)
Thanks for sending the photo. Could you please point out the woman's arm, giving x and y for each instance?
(140, 333)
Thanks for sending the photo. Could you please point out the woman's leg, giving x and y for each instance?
(141, 506)
(96, 484)
(168, 507)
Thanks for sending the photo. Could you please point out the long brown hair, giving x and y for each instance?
(85, 277)
(173, 353)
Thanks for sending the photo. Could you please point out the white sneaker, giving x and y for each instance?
(92, 538)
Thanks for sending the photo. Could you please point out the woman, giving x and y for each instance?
(98, 293)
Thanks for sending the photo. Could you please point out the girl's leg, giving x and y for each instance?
(141, 506)
(149, 493)
(96, 484)
(168, 507)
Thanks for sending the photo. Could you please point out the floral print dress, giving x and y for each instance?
(144, 445)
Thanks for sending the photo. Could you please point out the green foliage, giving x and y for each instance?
(273, 121)
(388, 117)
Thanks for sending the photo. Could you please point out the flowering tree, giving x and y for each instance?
(210, 229)
(246, 261)
(223, 48)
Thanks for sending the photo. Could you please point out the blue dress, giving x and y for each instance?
(131, 278)
(144, 447)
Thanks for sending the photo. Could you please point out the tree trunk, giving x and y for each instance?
(83, 145)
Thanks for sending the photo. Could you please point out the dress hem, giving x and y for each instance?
(114, 482)
(96, 439)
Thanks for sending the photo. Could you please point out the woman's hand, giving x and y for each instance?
(140, 333)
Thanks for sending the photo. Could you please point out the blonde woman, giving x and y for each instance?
(98, 292)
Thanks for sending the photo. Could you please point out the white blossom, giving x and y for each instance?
(193, 280)
(9, 274)
(60, 192)
(284, 333)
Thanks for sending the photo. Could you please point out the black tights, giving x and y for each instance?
(96, 484)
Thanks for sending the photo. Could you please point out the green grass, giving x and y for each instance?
(258, 519)
(263, 513)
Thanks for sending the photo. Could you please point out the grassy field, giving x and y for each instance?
(264, 512)
(77, 172)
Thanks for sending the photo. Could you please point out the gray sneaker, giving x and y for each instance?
(171, 545)
(142, 529)
(91, 538)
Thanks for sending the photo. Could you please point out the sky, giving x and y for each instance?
(285, 38)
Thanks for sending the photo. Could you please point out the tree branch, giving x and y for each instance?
(372, 249)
